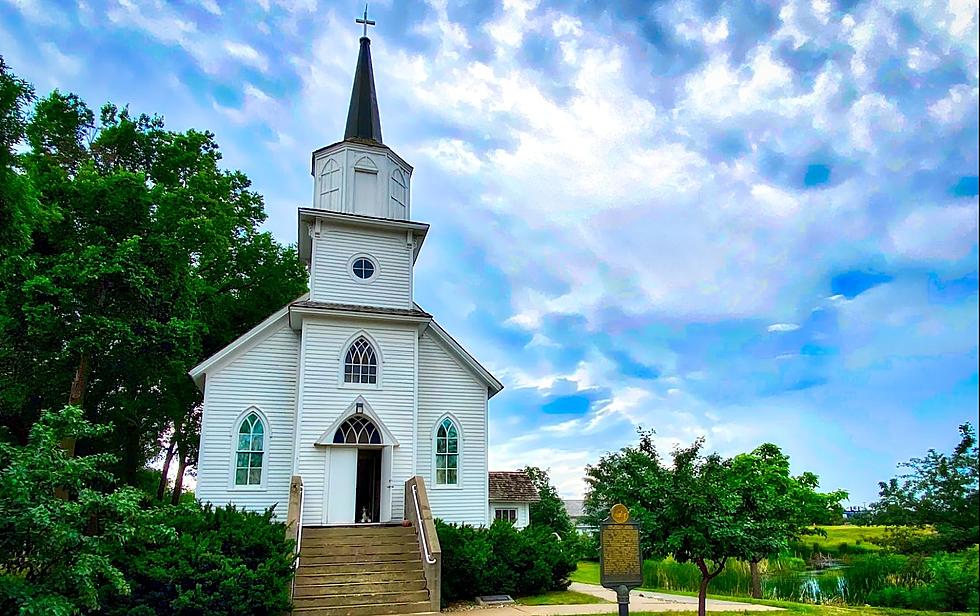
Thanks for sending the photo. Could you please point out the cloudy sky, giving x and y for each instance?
(754, 223)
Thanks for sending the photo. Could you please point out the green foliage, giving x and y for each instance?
(501, 559)
(549, 511)
(131, 255)
(940, 490)
(223, 561)
(56, 553)
(693, 509)
(781, 507)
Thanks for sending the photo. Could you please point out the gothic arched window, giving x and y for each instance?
(330, 186)
(251, 447)
(361, 363)
(447, 453)
(357, 430)
(399, 195)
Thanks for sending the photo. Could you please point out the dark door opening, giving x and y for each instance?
(367, 494)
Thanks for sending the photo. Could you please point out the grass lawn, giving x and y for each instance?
(559, 597)
(856, 536)
(816, 610)
(586, 573)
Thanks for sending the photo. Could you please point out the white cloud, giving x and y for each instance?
(783, 327)
(936, 233)
(211, 6)
(247, 54)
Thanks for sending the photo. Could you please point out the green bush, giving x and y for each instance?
(501, 559)
(56, 551)
(223, 561)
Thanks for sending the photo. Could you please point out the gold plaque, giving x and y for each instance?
(619, 513)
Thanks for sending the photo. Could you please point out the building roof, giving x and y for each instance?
(574, 508)
(512, 486)
(333, 306)
(363, 117)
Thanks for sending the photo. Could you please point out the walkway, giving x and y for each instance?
(640, 601)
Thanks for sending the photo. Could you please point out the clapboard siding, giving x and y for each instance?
(263, 376)
(445, 386)
(331, 280)
(325, 398)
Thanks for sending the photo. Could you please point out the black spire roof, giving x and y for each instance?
(363, 118)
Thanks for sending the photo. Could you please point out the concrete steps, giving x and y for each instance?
(369, 570)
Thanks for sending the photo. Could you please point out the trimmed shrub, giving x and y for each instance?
(223, 561)
(502, 559)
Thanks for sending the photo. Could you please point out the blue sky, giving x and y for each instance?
(754, 222)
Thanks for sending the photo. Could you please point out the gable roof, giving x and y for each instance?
(574, 508)
(244, 341)
(512, 486)
(493, 385)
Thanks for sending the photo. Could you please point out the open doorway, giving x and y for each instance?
(367, 491)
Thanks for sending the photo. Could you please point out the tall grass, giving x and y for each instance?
(735, 580)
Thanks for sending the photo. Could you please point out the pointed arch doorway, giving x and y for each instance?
(358, 467)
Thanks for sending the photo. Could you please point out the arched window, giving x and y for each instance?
(361, 363)
(251, 445)
(447, 453)
(357, 430)
(330, 186)
(399, 195)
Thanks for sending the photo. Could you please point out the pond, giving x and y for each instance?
(826, 584)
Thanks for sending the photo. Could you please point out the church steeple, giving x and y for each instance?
(363, 118)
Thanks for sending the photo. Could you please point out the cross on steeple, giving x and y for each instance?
(367, 22)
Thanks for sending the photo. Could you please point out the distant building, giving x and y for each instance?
(576, 511)
(855, 512)
(511, 495)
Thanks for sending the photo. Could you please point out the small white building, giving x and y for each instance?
(353, 387)
(511, 495)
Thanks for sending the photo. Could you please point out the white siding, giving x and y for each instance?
(263, 376)
(331, 280)
(523, 512)
(445, 386)
(326, 397)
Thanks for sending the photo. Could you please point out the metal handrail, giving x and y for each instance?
(418, 512)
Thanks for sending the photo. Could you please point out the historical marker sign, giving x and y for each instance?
(620, 565)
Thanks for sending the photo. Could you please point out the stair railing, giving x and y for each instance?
(294, 518)
(418, 512)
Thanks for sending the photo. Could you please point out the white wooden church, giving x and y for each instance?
(353, 387)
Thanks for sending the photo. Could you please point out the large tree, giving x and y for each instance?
(550, 510)
(689, 508)
(939, 490)
(149, 257)
(779, 506)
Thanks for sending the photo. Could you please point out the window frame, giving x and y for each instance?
(342, 362)
(498, 510)
(367, 257)
(458, 453)
(233, 458)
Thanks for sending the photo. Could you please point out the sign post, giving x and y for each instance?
(620, 565)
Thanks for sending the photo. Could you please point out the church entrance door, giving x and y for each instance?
(367, 493)
(355, 493)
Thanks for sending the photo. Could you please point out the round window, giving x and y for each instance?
(363, 268)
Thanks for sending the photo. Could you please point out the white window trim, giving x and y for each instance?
(342, 360)
(460, 449)
(262, 486)
(354, 277)
(517, 514)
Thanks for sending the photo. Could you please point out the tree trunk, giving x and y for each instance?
(703, 596)
(179, 480)
(756, 582)
(162, 488)
(75, 396)
(703, 587)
